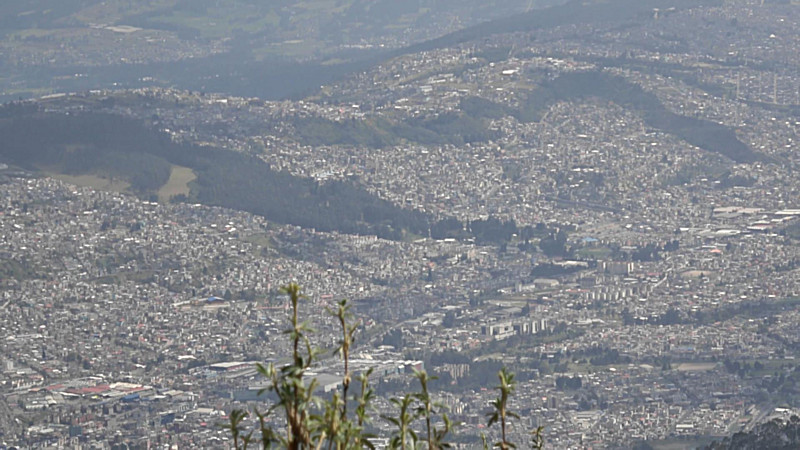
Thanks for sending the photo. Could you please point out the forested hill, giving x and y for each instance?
(710, 136)
(578, 86)
(470, 124)
(114, 146)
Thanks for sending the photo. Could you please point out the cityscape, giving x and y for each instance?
(607, 207)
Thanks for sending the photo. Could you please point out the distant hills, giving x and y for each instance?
(241, 47)
(323, 23)
(572, 12)
(280, 49)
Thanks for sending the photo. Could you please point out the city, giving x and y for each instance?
(638, 274)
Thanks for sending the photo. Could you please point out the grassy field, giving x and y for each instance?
(260, 239)
(178, 183)
(695, 367)
(698, 273)
(594, 252)
(93, 181)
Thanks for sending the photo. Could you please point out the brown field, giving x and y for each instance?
(695, 367)
(178, 183)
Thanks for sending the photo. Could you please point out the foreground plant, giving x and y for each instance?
(427, 409)
(501, 413)
(314, 424)
(311, 423)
